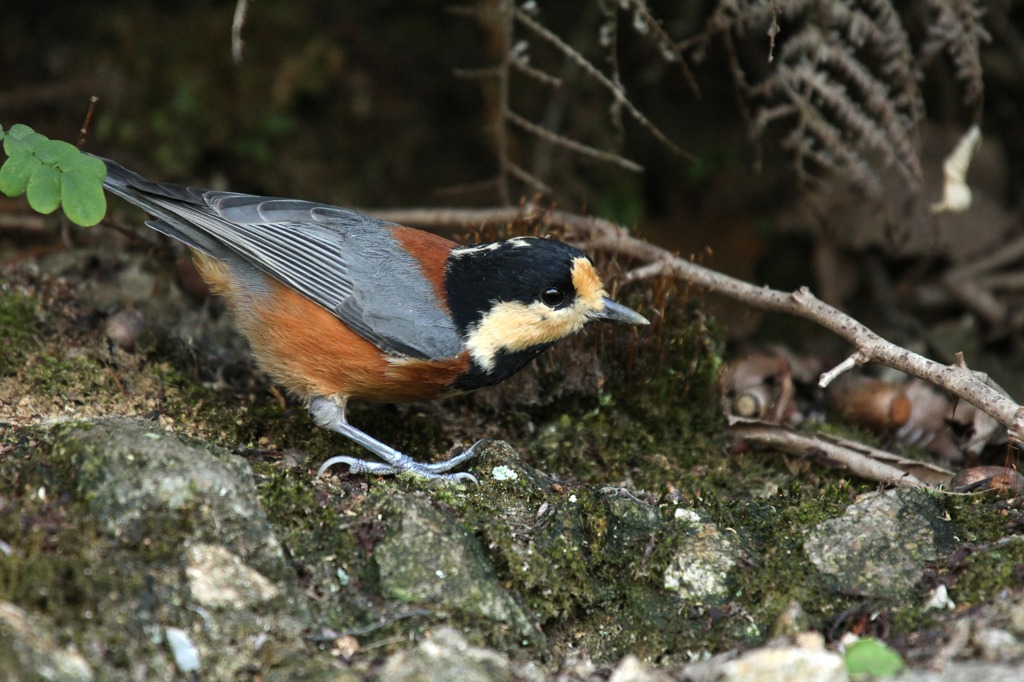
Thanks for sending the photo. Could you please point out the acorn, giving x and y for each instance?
(869, 402)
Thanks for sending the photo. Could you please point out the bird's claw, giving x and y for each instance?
(434, 471)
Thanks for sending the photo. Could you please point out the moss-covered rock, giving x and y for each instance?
(856, 549)
(125, 533)
(427, 556)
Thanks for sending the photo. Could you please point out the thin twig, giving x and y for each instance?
(84, 131)
(536, 74)
(593, 72)
(773, 30)
(524, 176)
(846, 365)
(665, 40)
(237, 23)
(572, 145)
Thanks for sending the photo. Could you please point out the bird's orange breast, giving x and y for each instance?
(311, 352)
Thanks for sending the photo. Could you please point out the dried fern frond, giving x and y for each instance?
(957, 30)
(860, 105)
(875, 32)
(844, 86)
(845, 80)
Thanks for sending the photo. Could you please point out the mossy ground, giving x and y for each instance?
(56, 547)
(613, 408)
(990, 559)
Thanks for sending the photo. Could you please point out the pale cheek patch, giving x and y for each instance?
(514, 326)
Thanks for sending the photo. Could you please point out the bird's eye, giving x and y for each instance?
(552, 297)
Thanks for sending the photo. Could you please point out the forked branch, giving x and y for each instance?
(869, 347)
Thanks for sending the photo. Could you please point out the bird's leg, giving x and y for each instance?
(330, 414)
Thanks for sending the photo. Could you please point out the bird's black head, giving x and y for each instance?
(513, 298)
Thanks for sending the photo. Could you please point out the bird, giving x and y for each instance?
(338, 306)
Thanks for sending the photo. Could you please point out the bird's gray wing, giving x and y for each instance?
(346, 262)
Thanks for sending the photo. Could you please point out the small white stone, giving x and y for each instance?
(687, 515)
(504, 473)
(786, 663)
(939, 599)
(186, 655)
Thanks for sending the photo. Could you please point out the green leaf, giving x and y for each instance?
(44, 189)
(872, 658)
(20, 131)
(90, 166)
(22, 139)
(15, 173)
(81, 195)
(58, 153)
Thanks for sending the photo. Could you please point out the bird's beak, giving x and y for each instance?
(616, 312)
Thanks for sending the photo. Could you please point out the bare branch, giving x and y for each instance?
(855, 360)
(603, 234)
(536, 74)
(524, 176)
(860, 460)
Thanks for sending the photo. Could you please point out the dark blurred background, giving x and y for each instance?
(382, 103)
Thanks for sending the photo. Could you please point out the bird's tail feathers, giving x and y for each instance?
(152, 197)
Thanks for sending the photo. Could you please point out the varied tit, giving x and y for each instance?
(337, 305)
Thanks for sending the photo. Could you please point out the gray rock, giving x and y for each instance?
(701, 567)
(806, 660)
(29, 651)
(427, 556)
(881, 544)
(445, 656)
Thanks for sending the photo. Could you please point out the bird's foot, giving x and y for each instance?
(435, 470)
(330, 414)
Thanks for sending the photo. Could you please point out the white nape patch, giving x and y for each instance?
(514, 242)
(460, 251)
